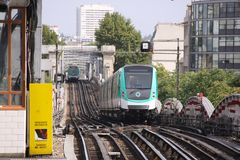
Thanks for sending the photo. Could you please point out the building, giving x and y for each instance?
(166, 39)
(214, 35)
(88, 18)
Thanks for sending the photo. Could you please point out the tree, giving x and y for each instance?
(122, 58)
(116, 30)
(214, 84)
(49, 37)
(166, 83)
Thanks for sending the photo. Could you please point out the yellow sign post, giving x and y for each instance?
(40, 119)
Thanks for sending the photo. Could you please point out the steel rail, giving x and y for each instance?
(223, 147)
(82, 141)
(167, 146)
(199, 153)
(134, 148)
(122, 155)
(153, 153)
(86, 103)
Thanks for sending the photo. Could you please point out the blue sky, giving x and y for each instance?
(144, 14)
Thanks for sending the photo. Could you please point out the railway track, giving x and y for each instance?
(202, 146)
(97, 139)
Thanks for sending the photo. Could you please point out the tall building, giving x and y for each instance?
(88, 18)
(214, 35)
(166, 38)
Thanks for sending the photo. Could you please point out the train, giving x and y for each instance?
(131, 93)
(72, 74)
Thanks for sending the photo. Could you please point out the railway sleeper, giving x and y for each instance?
(138, 154)
(115, 149)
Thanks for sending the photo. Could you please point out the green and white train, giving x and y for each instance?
(131, 94)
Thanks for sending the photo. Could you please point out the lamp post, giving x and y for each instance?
(56, 74)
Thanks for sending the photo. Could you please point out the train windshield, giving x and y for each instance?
(73, 71)
(138, 77)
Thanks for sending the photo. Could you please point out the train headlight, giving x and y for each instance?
(153, 95)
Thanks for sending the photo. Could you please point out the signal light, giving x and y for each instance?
(146, 46)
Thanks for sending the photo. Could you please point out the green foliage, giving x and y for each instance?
(123, 58)
(166, 83)
(218, 91)
(49, 37)
(116, 30)
(214, 84)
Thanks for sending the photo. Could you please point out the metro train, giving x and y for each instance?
(131, 94)
(72, 74)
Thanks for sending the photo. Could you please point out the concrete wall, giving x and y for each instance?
(38, 43)
(13, 133)
(165, 44)
(108, 53)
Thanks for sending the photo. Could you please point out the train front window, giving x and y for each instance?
(138, 77)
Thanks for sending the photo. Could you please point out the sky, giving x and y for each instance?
(144, 14)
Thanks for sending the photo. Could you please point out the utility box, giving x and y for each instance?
(40, 122)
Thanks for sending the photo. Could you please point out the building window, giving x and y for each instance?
(193, 61)
(237, 9)
(209, 61)
(221, 62)
(216, 10)
(222, 27)
(200, 42)
(205, 11)
(193, 44)
(237, 44)
(237, 26)
(215, 60)
(229, 44)
(222, 44)
(236, 61)
(230, 9)
(204, 44)
(45, 56)
(205, 27)
(200, 11)
(196, 11)
(210, 44)
(210, 27)
(200, 61)
(230, 26)
(215, 27)
(200, 28)
(193, 11)
(210, 10)
(194, 28)
(229, 61)
(226, 61)
(223, 10)
(215, 44)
